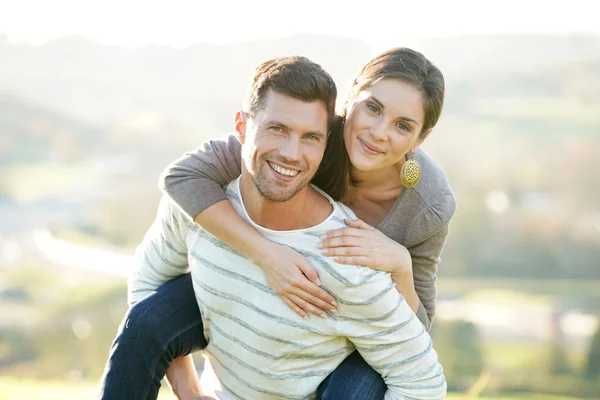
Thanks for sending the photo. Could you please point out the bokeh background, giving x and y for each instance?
(97, 97)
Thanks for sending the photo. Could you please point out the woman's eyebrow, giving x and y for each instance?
(380, 104)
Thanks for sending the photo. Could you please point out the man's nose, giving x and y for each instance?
(291, 150)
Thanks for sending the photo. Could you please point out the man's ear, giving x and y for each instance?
(239, 125)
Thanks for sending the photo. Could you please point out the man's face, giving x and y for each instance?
(283, 144)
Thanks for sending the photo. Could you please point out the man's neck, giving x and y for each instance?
(307, 208)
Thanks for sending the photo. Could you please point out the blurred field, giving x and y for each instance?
(551, 287)
(81, 150)
(30, 390)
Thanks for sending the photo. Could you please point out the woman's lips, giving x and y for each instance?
(369, 149)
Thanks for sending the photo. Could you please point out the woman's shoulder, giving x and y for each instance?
(434, 181)
(433, 195)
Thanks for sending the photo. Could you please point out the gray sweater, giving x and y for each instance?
(418, 220)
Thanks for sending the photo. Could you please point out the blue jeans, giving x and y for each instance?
(167, 325)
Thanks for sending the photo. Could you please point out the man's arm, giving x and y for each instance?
(390, 337)
(162, 255)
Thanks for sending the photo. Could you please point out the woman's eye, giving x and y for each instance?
(276, 129)
(373, 108)
(402, 126)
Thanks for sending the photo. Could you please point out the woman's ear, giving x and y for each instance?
(239, 125)
(421, 139)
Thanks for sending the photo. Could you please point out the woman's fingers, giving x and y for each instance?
(294, 307)
(316, 295)
(343, 232)
(306, 306)
(355, 260)
(342, 241)
(306, 294)
(308, 270)
(358, 223)
(346, 251)
(311, 285)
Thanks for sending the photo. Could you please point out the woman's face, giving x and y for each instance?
(383, 124)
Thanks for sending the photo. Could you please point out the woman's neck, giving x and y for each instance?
(387, 178)
(373, 194)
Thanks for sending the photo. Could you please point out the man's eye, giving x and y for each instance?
(312, 137)
(276, 129)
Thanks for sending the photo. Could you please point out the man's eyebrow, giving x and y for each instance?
(277, 123)
(380, 104)
(317, 133)
(284, 126)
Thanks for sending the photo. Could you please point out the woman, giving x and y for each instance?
(372, 163)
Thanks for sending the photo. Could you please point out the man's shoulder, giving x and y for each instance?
(340, 210)
(232, 190)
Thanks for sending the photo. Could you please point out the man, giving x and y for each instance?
(257, 346)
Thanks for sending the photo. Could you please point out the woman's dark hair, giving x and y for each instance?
(403, 64)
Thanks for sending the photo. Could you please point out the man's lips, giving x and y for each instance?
(283, 170)
(369, 148)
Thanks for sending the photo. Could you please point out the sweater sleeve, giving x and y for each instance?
(390, 338)
(195, 180)
(162, 255)
(426, 253)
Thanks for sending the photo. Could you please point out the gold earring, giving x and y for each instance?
(411, 171)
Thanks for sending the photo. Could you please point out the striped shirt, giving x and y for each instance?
(258, 347)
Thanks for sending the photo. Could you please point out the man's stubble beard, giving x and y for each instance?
(270, 191)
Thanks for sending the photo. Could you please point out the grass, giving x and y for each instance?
(513, 396)
(30, 390)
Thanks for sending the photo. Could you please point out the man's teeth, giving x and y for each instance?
(283, 171)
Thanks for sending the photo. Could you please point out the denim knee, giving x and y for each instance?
(140, 330)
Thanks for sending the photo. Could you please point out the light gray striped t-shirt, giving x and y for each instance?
(258, 347)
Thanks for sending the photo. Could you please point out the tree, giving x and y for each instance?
(592, 367)
(459, 347)
(557, 356)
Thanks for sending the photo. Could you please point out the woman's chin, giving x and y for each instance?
(364, 165)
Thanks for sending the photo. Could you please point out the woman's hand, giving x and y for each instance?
(295, 281)
(361, 244)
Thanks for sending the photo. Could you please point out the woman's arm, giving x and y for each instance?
(426, 257)
(413, 269)
(195, 182)
(362, 244)
(286, 271)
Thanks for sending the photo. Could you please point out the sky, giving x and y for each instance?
(379, 22)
